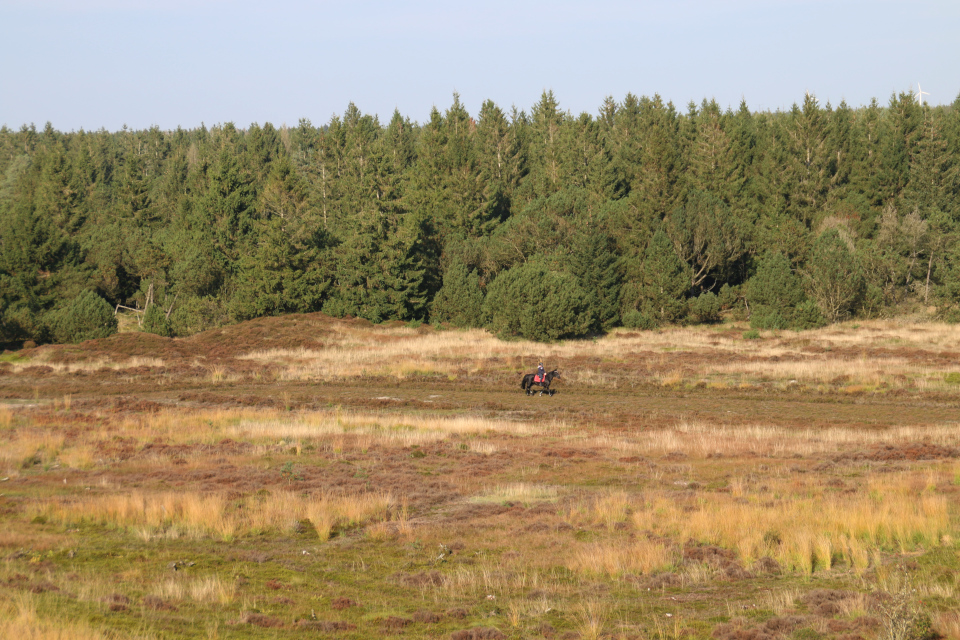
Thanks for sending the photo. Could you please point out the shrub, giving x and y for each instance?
(705, 308)
(634, 319)
(729, 296)
(155, 321)
(776, 297)
(533, 302)
(768, 318)
(86, 317)
(194, 315)
(834, 276)
(807, 315)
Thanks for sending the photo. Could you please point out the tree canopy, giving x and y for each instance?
(639, 215)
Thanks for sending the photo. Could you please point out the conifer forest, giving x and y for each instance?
(540, 223)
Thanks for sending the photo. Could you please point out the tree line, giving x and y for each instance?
(541, 224)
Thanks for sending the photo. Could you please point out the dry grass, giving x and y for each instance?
(805, 531)
(948, 624)
(607, 509)
(6, 417)
(592, 617)
(620, 558)
(164, 515)
(821, 357)
(404, 430)
(27, 447)
(862, 357)
(10, 539)
(204, 590)
(523, 492)
(19, 620)
(700, 439)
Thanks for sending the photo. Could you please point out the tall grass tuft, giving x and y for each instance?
(194, 514)
(621, 558)
(805, 532)
(21, 621)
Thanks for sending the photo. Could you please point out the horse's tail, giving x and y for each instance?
(523, 382)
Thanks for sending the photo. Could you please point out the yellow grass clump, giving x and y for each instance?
(524, 492)
(205, 590)
(606, 509)
(405, 429)
(20, 620)
(6, 417)
(194, 514)
(619, 558)
(43, 446)
(92, 365)
(805, 532)
(699, 439)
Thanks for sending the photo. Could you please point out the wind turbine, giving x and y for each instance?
(920, 94)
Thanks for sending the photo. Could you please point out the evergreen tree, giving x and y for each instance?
(657, 289)
(776, 298)
(533, 302)
(85, 317)
(460, 300)
(285, 267)
(709, 237)
(592, 259)
(833, 276)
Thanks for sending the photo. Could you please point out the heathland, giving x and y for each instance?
(308, 476)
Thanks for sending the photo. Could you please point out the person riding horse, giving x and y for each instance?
(540, 378)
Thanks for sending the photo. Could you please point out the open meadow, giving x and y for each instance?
(303, 476)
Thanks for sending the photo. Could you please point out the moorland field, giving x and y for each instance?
(304, 476)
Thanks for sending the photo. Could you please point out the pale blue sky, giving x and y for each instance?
(105, 63)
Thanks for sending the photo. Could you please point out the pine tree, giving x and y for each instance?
(545, 149)
(460, 300)
(776, 298)
(286, 266)
(592, 259)
(709, 237)
(85, 317)
(657, 288)
(833, 276)
(533, 302)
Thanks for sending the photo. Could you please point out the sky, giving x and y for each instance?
(95, 64)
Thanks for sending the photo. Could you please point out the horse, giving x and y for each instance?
(527, 383)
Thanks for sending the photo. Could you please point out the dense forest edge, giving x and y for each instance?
(543, 225)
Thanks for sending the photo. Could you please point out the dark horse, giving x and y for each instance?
(527, 383)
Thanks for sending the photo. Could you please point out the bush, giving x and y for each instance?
(634, 319)
(729, 296)
(776, 297)
(705, 308)
(807, 315)
(194, 315)
(155, 321)
(834, 276)
(768, 318)
(532, 302)
(86, 317)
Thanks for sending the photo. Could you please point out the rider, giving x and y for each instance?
(540, 372)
